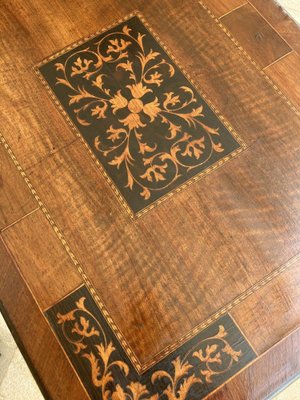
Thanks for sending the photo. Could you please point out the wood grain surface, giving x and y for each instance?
(40, 258)
(254, 33)
(229, 242)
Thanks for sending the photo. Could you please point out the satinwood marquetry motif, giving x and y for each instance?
(142, 118)
(190, 372)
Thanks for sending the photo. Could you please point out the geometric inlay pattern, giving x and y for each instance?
(143, 119)
(190, 372)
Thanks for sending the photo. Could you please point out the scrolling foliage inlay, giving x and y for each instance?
(142, 118)
(190, 372)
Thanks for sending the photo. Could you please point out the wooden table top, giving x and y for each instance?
(150, 197)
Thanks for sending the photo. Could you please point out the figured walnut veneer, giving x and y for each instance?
(229, 242)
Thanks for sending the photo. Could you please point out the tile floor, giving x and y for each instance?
(16, 381)
(291, 392)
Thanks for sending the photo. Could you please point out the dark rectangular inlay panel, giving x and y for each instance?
(190, 372)
(142, 118)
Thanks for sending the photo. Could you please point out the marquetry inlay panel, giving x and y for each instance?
(145, 122)
(190, 372)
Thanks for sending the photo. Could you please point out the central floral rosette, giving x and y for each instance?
(136, 106)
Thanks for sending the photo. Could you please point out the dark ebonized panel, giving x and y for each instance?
(190, 372)
(142, 117)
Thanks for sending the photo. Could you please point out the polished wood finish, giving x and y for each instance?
(258, 37)
(43, 262)
(48, 359)
(222, 244)
(34, 138)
